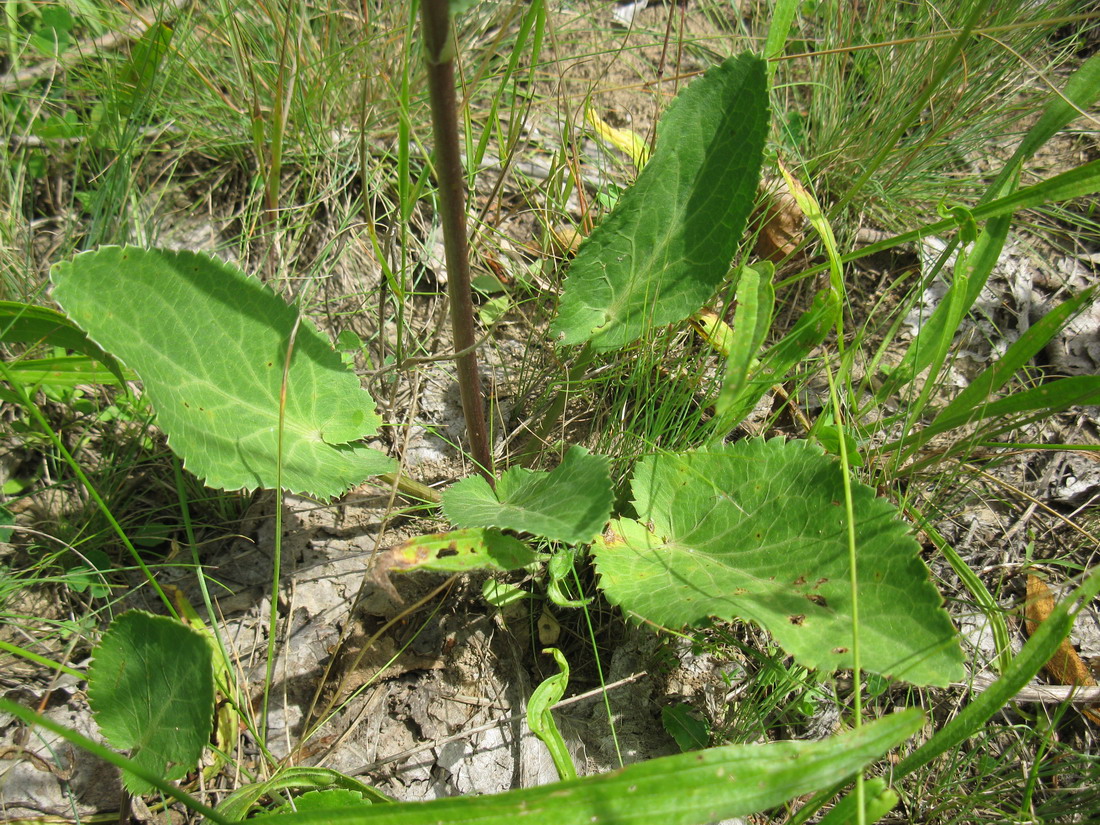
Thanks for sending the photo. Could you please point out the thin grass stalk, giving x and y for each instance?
(942, 68)
(439, 50)
(28, 404)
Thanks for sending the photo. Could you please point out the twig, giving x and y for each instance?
(1046, 694)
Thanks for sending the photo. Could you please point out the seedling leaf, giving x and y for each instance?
(304, 780)
(755, 530)
(774, 364)
(541, 720)
(682, 724)
(670, 239)
(209, 343)
(151, 687)
(570, 504)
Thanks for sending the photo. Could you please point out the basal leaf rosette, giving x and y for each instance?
(209, 344)
(756, 530)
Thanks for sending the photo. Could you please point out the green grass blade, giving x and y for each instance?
(986, 600)
(782, 18)
(1081, 390)
(33, 325)
(1084, 180)
(1022, 350)
(930, 347)
(1081, 91)
(64, 371)
(1055, 396)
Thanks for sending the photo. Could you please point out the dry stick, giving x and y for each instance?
(439, 51)
(1044, 694)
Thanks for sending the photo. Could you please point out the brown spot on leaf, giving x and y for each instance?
(840, 651)
(796, 619)
(448, 551)
(818, 600)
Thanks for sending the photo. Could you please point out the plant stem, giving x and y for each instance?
(439, 56)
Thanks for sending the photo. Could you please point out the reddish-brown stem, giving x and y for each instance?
(439, 56)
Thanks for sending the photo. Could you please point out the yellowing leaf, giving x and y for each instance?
(713, 330)
(625, 140)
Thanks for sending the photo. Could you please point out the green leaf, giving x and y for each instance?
(35, 325)
(1074, 183)
(782, 17)
(756, 530)
(240, 803)
(1052, 397)
(879, 801)
(751, 321)
(690, 732)
(932, 343)
(570, 504)
(151, 687)
(321, 801)
(140, 70)
(501, 594)
(807, 333)
(63, 372)
(670, 239)
(1080, 92)
(1028, 345)
(209, 343)
(686, 789)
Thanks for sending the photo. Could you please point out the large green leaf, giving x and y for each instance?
(571, 503)
(151, 686)
(756, 530)
(210, 343)
(670, 239)
(686, 789)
